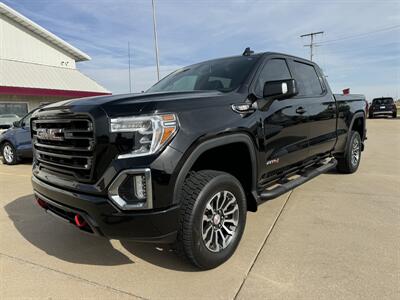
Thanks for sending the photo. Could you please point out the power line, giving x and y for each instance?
(312, 44)
(377, 46)
(359, 35)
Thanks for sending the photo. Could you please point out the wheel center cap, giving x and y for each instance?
(216, 219)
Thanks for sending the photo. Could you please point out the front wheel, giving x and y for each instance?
(352, 156)
(9, 154)
(212, 218)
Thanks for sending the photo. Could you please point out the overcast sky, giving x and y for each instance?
(360, 48)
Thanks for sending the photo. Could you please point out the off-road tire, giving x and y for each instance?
(199, 187)
(346, 164)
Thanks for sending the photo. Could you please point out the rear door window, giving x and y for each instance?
(307, 79)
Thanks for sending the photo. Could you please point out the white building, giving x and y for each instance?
(37, 67)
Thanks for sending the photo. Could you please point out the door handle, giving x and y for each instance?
(300, 111)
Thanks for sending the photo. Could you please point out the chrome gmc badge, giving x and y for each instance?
(52, 134)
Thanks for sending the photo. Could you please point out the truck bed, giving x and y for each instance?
(350, 97)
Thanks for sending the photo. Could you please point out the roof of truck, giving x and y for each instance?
(259, 54)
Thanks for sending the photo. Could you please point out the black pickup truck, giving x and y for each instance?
(183, 162)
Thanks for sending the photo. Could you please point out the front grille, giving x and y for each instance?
(65, 146)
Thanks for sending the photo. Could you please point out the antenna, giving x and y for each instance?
(312, 44)
(248, 52)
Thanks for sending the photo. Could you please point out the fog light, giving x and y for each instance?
(132, 190)
(140, 186)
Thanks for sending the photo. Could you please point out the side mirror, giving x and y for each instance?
(280, 89)
(16, 124)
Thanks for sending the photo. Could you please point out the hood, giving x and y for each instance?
(128, 104)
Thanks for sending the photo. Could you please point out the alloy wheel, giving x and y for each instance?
(8, 154)
(220, 221)
(355, 152)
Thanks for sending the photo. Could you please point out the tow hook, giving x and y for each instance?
(79, 221)
(42, 203)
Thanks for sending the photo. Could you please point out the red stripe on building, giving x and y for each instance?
(23, 91)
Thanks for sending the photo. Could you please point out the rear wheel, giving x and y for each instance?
(9, 156)
(212, 218)
(351, 160)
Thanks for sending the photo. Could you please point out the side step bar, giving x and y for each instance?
(286, 184)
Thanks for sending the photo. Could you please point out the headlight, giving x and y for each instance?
(151, 132)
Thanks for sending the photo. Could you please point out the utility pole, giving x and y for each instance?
(129, 67)
(312, 44)
(155, 38)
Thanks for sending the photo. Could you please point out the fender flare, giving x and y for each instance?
(210, 144)
(357, 115)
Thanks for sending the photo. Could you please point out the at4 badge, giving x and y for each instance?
(272, 161)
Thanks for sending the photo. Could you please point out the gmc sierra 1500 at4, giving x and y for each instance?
(183, 162)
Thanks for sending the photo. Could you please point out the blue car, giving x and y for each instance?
(15, 142)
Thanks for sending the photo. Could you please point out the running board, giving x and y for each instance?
(286, 184)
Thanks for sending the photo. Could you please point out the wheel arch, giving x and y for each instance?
(355, 123)
(212, 144)
(5, 141)
(358, 122)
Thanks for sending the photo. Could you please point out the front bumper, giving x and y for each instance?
(158, 225)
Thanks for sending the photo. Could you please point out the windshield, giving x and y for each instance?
(382, 101)
(222, 75)
(8, 119)
(9, 116)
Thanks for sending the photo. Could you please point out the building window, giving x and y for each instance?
(17, 108)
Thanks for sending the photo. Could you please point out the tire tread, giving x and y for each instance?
(344, 164)
(192, 187)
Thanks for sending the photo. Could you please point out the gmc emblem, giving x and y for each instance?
(52, 134)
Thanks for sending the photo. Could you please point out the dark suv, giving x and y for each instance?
(383, 107)
(183, 162)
